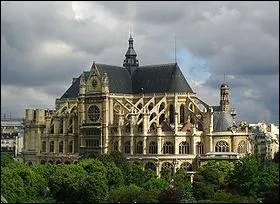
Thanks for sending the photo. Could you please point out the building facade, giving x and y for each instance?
(266, 139)
(149, 113)
(12, 133)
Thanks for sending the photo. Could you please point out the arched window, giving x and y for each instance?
(71, 125)
(162, 106)
(127, 127)
(139, 147)
(152, 116)
(168, 148)
(52, 146)
(61, 126)
(167, 165)
(171, 113)
(199, 148)
(150, 165)
(182, 113)
(153, 148)
(184, 148)
(186, 166)
(127, 147)
(60, 148)
(222, 146)
(140, 127)
(242, 147)
(116, 146)
(153, 127)
(161, 118)
(150, 107)
(70, 150)
(44, 146)
(52, 129)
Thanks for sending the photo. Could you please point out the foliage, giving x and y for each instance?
(19, 183)
(272, 195)
(251, 177)
(134, 174)
(129, 194)
(211, 177)
(167, 174)
(156, 184)
(6, 159)
(183, 183)
(170, 195)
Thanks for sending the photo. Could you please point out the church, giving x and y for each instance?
(149, 113)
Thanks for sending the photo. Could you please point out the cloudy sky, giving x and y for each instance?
(45, 44)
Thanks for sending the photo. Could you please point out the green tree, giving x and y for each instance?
(6, 159)
(182, 182)
(167, 174)
(170, 195)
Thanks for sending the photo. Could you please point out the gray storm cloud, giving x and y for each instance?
(45, 44)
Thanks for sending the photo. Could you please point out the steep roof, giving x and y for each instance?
(146, 79)
(222, 121)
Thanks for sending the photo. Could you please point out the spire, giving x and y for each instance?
(130, 62)
(224, 97)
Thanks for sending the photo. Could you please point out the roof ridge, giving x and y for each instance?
(109, 65)
(153, 65)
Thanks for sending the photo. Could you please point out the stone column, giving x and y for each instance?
(145, 145)
(157, 169)
(159, 145)
(176, 146)
(131, 145)
(145, 123)
(211, 143)
(193, 146)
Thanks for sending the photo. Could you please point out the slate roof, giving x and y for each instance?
(222, 121)
(145, 79)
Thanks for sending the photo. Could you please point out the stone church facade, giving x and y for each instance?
(149, 113)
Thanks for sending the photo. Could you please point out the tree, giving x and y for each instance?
(272, 195)
(170, 195)
(183, 184)
(6, 159)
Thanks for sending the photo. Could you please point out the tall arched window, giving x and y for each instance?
(167, 165)
(60, 148)
(150, 107)
(222, 146)
(162, 106)
(116, 146)
(242, 147)
(168, 148)
(161, 118)
(199, 148)
(61, 126)
(171, 113)
(182, 113)
(187, 166)
(52, 146)
(150, 165)
(184, 148)
(139, 147)
(44, 146)
(70, 149)
(127, 147)
(152, 147)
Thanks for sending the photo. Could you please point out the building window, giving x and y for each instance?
(150, 165)
(186, 166)
(94, 113)
(70, 150)
(71, 125)
(222, 146)
(153, 148)
(116, 146)
(139, 147)
(127, 147)
(61, 126)
(168, 148)
(242, 147)
(184, 148)
(92, 143)
(171, 114)
(167, 165)
(52, 146)
(44, 146)
(60, 149)
(182, 113)
(199, 148)
(161, 118)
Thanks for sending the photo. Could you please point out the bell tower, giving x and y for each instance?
(224, 97)
(130, 62)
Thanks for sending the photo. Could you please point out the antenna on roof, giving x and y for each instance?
(224, 78)
(175, 57)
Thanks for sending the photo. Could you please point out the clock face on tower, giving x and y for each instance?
(94, 83)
